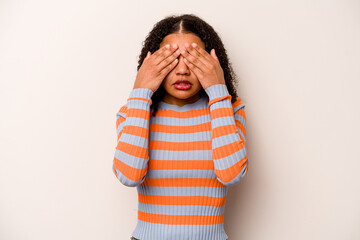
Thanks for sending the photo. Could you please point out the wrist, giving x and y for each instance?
(217, 90)
(141, 93)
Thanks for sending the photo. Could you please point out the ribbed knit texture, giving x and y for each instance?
(182, 161)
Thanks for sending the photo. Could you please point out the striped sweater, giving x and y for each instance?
(182, 161)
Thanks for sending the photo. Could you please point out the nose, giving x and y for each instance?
(181, 67)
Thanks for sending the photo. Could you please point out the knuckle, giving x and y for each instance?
(171, 65)
(159, 74)
(156, 70)
(168, 61)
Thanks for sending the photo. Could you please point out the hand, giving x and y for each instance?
(206, 66)
(155, 67)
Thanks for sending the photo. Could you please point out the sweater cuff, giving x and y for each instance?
(217, 90)
(141, 93)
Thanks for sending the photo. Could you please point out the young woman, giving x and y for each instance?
(181, 134)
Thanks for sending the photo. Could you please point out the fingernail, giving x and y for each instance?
(194, 44)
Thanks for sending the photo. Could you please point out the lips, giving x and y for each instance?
(182, 81)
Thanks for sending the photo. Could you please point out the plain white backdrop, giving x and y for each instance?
(66, 67)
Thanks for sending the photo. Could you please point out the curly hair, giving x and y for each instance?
(188, 23)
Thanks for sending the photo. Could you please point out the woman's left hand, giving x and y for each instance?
(206, 66)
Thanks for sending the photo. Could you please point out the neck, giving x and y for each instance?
(180, 102)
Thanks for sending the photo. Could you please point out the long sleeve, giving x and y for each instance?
(228, 123)
(131, 158)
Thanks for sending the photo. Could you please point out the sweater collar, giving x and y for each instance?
(200, 103)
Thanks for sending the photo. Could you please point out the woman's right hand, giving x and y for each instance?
(155, 67)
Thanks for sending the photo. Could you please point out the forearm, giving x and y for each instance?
(228, 146)
(132, 155)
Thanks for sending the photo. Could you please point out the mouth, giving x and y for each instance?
(184, 82)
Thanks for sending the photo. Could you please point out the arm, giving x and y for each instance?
(228, 122)
(130, 163)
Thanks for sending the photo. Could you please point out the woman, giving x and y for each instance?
(181, 134)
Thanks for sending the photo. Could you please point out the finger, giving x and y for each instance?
(168, 60)
(160, 52)
(192, 56)
(163, 53)
(213, 54)
(147, 55)
(193, 52)
(203, 52)
(168, 68)
(210, 59)
(198, 72)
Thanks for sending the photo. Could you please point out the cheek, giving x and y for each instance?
(196, 80)
(166, 80)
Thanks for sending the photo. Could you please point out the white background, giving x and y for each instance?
(66, 67)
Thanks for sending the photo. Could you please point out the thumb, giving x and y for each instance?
(213, 54)
(148, 54)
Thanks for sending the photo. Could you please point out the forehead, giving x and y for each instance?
(181, 38)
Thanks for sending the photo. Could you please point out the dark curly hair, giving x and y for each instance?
(188, 23)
